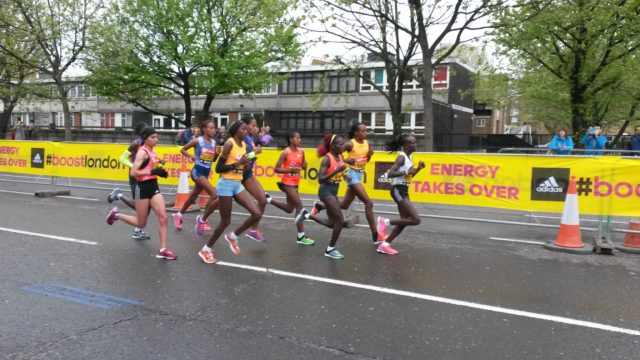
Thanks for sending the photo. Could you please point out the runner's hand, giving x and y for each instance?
(160, 172)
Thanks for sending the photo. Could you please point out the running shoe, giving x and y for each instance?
(114, 195)
(199, 225)
(140, 235)
(268, 198)
(166, 254)
(304, 240)
(304, 215)
(207, 256)
(334, 254)
(233, 244)
(351, 221)
(112, 216)
(177, 220)
(386, 249)
(381, 228)
(256, 235)
(206, 226)
(317, 207)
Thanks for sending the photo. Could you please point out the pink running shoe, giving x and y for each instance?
(256, 235)
(387, 250)
(177, 220)
(199, 225)
(207, 256)
(112, 216)
(233, 244)
(206, 226)
(381, 228)
(381, 238)
(166, 254)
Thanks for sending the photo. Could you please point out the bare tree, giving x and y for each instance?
(439, 22)
(58, 29)
(372, 26)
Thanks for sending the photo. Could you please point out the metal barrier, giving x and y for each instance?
(547, 151)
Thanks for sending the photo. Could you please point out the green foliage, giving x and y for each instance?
(574, 58)
(149, 49)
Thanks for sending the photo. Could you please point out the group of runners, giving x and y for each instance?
(234, 161)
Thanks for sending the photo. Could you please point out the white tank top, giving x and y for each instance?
(408, 164)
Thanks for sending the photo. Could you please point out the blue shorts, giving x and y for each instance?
(228, 187)
(197, 172)
(355, 176)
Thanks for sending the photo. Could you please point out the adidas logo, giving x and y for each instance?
(37, 159)
(550, 186)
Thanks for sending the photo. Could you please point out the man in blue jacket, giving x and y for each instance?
(561, 144)
(594, 139)
(634, 144)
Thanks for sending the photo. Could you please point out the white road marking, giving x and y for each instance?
(17, 192)
(558, 218)
(518, 240)
(78, 198)
(54, 237)
(66, 197)
(439, 299)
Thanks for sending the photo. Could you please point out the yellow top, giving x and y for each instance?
(236, 153)
(360, 153)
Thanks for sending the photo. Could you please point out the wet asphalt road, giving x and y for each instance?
(451, 293)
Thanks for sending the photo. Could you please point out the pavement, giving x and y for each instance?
(73, 287)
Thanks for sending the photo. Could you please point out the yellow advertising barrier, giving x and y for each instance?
(607, 185)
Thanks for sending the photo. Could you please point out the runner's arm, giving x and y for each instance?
(124, 159)
(393, 172)
(278, 168)
(188, 146)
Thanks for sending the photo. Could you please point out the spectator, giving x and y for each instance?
(594, 139)
(19, 130)
(187, 134)
(32, 131)
(561, 144)
(221, 136)
(634, 144)
(266, 138)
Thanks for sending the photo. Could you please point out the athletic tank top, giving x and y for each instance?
(292, 160)
(406, 179)
(359, 153)
(236, 153)
(151, 164)
(205, 153)
(333, 164)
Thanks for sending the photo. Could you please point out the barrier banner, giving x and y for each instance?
(607, 185)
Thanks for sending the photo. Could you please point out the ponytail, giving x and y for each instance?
(325, 147)
(396, 143)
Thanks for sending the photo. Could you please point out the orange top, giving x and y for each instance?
(292, 160)
(333, 164)
(151, 164)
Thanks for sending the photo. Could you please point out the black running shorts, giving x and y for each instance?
(399, 193)
(146, 189)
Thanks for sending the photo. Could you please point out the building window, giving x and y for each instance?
(380, 125)
(59, 118)
(340, 82)
(299, 83)
(406, 120)
(440, 78)
(481, 122)
(377, 77)
(306, 121)
(107, 120)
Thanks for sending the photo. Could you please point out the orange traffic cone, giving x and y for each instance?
(183, 194)
(569, 238)
(631, 241)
